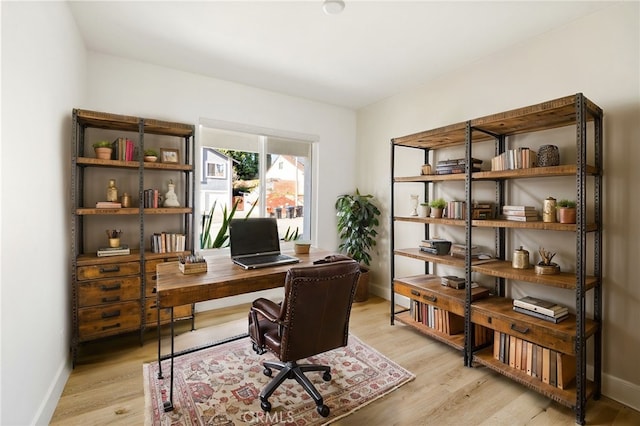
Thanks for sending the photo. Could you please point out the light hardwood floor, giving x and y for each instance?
(105, 388)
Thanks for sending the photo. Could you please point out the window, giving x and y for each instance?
(261, 175)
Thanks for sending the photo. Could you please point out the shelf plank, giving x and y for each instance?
(95, 162)
(546, 115)
(104, 120)
(443, 259)
(498, 223)
(456, 341)
(533, 172)
(133, 210)
(504, 269)
(566, 397)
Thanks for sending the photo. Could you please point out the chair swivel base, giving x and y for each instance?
(293, 370)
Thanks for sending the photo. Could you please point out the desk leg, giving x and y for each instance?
(168, 405)
(159, 343)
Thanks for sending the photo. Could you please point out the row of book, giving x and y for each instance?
(165, 242)
(151, 199)
(436, 318)
(547, 365)
(123, 149)
(539, 308)
(446, 167)
(520, 213)
(513, 159)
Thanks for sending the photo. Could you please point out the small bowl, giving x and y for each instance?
(150, 158)
(301, 247)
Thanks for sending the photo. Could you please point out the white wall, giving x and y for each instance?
(597, 55)
(134, 88)
(43, 78)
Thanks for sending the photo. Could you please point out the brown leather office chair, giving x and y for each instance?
(313, 318)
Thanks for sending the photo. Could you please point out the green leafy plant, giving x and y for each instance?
(150, 153)
(291, 235)
(357, 222)
(222, 237)
(438, 203)
(102, 144)
(567, 204)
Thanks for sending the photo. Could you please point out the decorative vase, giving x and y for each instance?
(425, 210)
(112, 191)
(548, 155)
(567, 214)
(103, 153)
(170, 198)
(549, 210)
(414, 205)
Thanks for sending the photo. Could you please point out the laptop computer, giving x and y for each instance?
(255, 243)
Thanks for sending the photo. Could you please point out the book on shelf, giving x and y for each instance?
(513, 159)
(518, 207)
(435, 246)
(113, 251)
(541, 306)
(519, 212)
(522, 218)
(167, 242)
(535, 314)
(108, 205)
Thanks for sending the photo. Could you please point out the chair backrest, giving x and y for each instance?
(316, 307)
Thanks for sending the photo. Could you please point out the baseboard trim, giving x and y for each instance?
(48, 406)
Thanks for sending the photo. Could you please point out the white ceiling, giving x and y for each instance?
(372, 50)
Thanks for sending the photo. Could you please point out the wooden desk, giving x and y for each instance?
(222, 279)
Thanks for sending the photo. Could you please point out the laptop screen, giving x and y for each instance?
(253, 236)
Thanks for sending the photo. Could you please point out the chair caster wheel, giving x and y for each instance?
(323, 410)
(267, 372)
(326, 376)
(266, 406)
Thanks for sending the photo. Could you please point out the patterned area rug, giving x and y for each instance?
(220, 386)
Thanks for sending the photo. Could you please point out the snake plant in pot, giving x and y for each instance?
(357, 222)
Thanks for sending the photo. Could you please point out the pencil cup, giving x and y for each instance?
(114, 242)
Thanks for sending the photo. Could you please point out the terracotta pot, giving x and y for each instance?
(103, 153)
(436, 212)
(567, 214)
(362, 291)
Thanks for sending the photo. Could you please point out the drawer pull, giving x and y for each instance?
(112, 314)
(107, 327)
(114, 268)
(154, 277)
(415, 293)
(154, 291)
(110, 299)
(117, 286)
(431, 299)
(524, 330)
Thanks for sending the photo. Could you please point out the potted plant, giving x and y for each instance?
(437, 207)
(103, 150)
(566, 211)
(357, 222)
(150, 155)
(545, 266)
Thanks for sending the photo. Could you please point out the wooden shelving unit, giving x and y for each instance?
(568, 337)
(115, 295)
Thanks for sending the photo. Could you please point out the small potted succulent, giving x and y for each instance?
(150, 156)
(103, 150)
(566, 211)
(437, 207)
(425, 209)
(546, 266)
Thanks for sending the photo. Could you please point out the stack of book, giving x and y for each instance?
(435, 246)
(446, 167)
(482, 211)
(547, 365)
(512, 159)
(460, 251)
(548, 311)
(520, 213)
(108, 205)
(113, 251)
(123, 149)
(452, 281)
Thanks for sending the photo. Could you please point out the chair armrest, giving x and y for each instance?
(267, 309)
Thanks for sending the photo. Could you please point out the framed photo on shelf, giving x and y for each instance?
(168, 155)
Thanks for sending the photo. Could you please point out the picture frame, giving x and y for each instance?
(169, 155)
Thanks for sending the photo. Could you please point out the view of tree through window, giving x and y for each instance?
(247, 175)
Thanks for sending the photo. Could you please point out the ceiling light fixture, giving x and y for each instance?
(332, 7)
